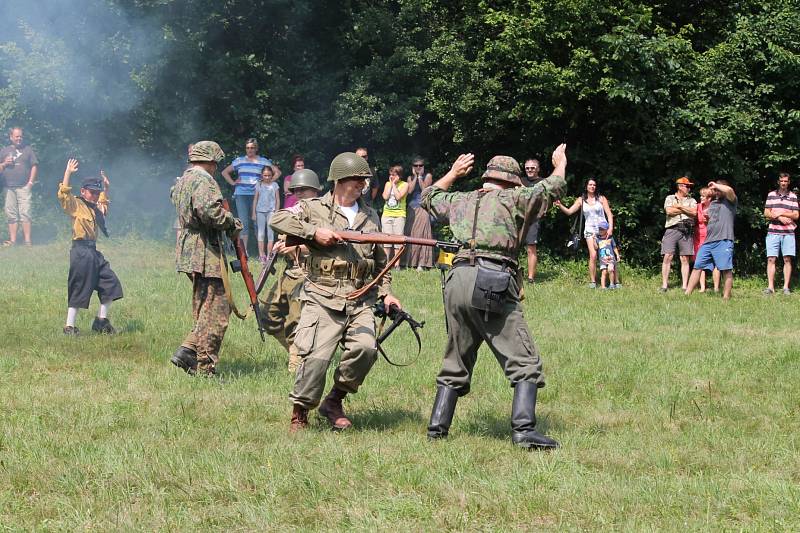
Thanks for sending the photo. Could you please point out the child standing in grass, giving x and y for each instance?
(265, 202)
(608, 254)
(88, 269)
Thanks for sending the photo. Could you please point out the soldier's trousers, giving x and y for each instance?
(319, 333)
(211, 310)
(282, 313)
(506, 334)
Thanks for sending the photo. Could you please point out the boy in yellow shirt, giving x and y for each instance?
(88, 269)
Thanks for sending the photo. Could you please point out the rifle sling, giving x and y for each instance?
(358, 293)
(383, 353)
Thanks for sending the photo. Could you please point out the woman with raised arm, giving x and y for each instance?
(595, 208)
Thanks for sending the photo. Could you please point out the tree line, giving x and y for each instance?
(642, 92)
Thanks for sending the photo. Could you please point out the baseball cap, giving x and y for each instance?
(602, 225)
(683, 181)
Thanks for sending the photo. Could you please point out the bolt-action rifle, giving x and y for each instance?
(240, 265)
(380, 238)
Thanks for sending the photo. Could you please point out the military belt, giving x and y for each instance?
(494, 263)
(337, 269)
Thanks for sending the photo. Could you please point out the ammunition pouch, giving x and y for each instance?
(330, 269)
(491, 289)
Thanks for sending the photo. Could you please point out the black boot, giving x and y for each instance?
(523, 419)
(103, 325)
(442, 414)
(185, 358)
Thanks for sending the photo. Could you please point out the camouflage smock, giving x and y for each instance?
(501, 218)
(198, 202)
(304, 218)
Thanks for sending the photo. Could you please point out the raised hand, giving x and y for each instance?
(463, 165)
(106, 182)
(72, 166)
(560, 155)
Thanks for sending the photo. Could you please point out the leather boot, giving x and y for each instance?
(331, 408)
(442, 414)
(185, 358)
(299, 419)
(523, 418)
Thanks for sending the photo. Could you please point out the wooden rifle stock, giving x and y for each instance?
(240, 265)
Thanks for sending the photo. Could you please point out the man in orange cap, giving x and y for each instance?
(681, 211)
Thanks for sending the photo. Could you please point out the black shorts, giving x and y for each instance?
(532, 237)
(88, 272)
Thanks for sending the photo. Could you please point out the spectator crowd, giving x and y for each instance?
(700, 233)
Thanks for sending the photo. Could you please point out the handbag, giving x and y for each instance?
(574, 244)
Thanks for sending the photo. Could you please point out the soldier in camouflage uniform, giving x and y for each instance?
(482, 291)
(198, 202)
(281, 310)
(334, 270)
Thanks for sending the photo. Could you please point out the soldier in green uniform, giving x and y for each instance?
(482, 291)
(281, 310)
(334, 270)
(198, 202)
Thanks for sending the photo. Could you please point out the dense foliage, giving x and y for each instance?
(642, 92)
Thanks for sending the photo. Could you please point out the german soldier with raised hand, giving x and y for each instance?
(198, 202)
(482, 291)
(333, 271)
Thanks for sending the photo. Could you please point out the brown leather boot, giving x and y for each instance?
(299, 419)
(331, 408)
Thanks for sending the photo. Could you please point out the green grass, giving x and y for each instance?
(673, 413)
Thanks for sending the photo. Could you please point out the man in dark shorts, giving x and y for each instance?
(681, 210)
(717, 250)
(532, 237)
(88, 269)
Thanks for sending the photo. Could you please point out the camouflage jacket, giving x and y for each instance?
(502, 218)
(335, 271)
(198, 201)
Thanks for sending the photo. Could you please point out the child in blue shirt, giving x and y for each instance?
(607, 256)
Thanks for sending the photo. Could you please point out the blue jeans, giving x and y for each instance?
(244, 207)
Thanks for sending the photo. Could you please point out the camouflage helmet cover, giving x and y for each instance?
(304, 178)
(348, 165)
(503, 168)
(206, 151)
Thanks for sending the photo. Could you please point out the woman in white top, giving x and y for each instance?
(595, 208)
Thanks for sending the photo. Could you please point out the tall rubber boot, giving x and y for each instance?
(523, 418)
(442, 414)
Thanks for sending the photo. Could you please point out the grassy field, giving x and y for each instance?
(674, 413)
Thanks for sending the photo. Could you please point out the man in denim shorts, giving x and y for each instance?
(781, 211)
(717, 250)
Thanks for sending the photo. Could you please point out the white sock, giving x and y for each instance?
(72, 314)
(103, 312)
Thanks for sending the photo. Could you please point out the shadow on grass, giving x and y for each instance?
(383, 418)
(500, 427)
(245, 367)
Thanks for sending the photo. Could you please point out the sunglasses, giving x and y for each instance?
(415, 165)
(531, 168)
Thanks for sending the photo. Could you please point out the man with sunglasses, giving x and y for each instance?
(681, 210)
(532, 237)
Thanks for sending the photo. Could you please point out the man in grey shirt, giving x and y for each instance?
(18, 168)
(717, 250)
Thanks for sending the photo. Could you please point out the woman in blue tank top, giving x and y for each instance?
(595, 208)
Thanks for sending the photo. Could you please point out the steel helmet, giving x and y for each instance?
(503, 168)
(304, 178)
(206, 151)
(348, 165)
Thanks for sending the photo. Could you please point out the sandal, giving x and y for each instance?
(8, 243)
